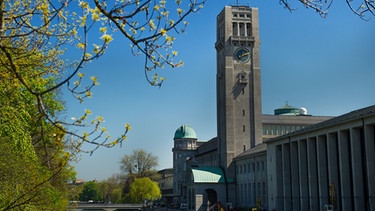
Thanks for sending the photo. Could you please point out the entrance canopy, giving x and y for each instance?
(208, 174)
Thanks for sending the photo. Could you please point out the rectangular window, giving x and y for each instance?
(235, 29)
(262, 166)
(248, 29)
(263, 192)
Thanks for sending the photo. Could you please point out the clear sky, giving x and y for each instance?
(326, 65)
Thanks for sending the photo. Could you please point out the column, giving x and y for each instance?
(323, 171)
(238, 29)
(245, 28)
(333, 168)
(303, 175)
(369, 134)
(313, 174)
(295, 175)
(279, 178)
(357, 170)
(345, 170)
(287, 178)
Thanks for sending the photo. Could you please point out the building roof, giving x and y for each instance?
(360, 113)
(185, 131)
(293, 120)
(260, 148)
(208, 174)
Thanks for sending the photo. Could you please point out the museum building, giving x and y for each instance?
(286, 161)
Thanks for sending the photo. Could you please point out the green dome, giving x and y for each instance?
(185, 131)
(287, 110)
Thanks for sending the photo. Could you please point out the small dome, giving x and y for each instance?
(185, 131)
(303, 111)
(287, 110)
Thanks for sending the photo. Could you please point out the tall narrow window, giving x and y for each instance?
(248, 29)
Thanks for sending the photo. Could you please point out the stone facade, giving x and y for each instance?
(239, 109)
(328, 164)
(287, 161)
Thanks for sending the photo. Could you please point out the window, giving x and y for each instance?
(259, 191)
(264, 192)
(248, 29)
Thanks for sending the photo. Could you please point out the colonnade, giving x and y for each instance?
(333, 165)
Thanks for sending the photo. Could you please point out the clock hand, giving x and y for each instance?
(244, 54)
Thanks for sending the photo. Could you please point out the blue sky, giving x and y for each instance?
(326, 65)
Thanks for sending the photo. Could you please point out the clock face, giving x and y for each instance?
(242, 55)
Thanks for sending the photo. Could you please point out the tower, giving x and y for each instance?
(238, 84)
(185, 144)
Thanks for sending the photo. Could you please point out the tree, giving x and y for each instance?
(111, 188)
(361, 8)
(33, 160)
(140, 164)
(37, 39)
(144, 189)
(90, 192)
(25, 184)
(49, 30)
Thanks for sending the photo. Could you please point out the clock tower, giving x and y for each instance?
(239, 107)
